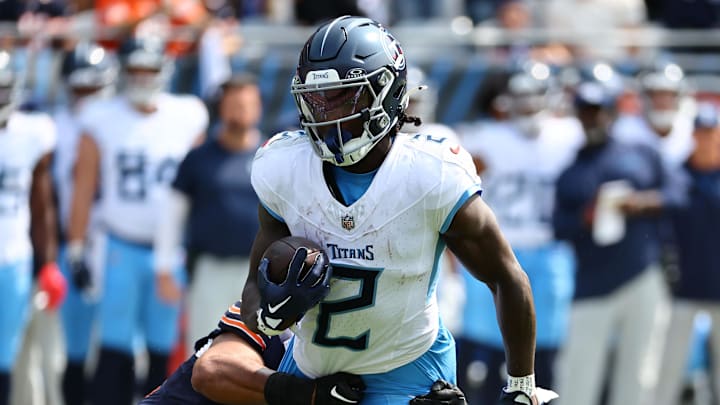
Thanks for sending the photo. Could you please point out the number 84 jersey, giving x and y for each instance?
(139, 156)
(381, 312)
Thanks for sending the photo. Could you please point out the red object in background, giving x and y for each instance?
(178, 354)
(710, 97)
(53, 283)
(111, 14)
(185, 13)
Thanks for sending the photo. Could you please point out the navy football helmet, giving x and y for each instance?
(528, 96)
(91, 69)
(147, 69)
(350, 70)
(663, 89)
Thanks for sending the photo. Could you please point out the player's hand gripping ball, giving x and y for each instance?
(293, 276)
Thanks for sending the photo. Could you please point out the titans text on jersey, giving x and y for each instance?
(338, 252)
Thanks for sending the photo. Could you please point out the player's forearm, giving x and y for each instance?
(516, 316)
(43, 228)
(231, 375)
(251, 303)
(85, 184)
(230, 391)
(270, 230)
(79, 215)
(167, 235)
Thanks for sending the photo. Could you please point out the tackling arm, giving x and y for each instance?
(475, 238)
(269, 231)
(231, 372)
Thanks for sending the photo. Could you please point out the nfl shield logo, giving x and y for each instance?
(348, 222)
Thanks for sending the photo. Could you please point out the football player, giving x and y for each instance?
(87, 70)
(91, 73)
(233, 365)
(26, 144)
(129, 151)
(666, 121)
(383, 205)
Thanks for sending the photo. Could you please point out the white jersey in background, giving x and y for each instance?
(519, 179)
(23, 142)
(381, 312)
(674, 148)
(139, 155)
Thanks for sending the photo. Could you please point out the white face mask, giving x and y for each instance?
(528, 125)
(661, 120)
(143, 89)
(142, 96)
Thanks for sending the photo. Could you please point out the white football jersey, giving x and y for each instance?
(675, 147)
(23, 142)
(519, 179)
(381, 312)
(139, 155)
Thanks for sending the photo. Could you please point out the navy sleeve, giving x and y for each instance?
(568, 216)
(184, 178)
(232, 322)
(674, 187)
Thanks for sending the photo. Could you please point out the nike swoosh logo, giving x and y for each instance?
(336, 395)
(273, 308)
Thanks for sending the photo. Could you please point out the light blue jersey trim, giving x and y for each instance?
(475, 189)
(273, 213)
(436, 265)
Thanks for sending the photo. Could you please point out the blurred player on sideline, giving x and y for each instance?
(91, 73)
(43, 361)
(26, 214)
(666, 121)
(129, 152)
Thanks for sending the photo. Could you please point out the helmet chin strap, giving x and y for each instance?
(335, 138)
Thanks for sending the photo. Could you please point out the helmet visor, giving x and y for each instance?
(336, 104)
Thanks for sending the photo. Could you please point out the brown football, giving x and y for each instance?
(281, 252)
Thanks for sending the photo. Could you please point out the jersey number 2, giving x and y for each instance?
(366, 298)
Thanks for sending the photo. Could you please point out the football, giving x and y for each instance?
(280, 253)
